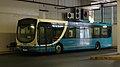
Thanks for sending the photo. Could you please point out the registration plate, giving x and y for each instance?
(25, 50)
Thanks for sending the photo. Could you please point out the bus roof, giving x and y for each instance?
(48, 20)
(101, 24)
(88, 24)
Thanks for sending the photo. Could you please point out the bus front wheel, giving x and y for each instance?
(97, 46)
(58, 48)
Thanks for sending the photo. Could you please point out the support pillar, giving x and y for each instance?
(118, 26)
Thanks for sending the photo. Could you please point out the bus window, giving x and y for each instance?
(77, 33)
(57, 30)
(96, 32)
(70, 33)
(90, 32)
(109, 31)
(87, 32)
(104, 32)
(82, 32)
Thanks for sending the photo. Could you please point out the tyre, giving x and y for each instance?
(58, 48)
(97, 46)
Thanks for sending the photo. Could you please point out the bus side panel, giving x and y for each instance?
(77, 44)
(69, 44)
(104, 42)
(88, 43)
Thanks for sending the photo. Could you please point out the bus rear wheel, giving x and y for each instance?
(97, 46)
(58, 48)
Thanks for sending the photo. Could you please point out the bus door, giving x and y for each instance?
(44, 35)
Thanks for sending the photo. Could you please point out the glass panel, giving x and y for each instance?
(109, 31)
(115, 14)
(49, 34)
(77, 33)
(82, 32)
(72, 33)
(107, 20)
(26, 30)
(87, 34)
(91, 32)
(57, 29)
(96, 32)
(107, 15)
(104, 32)
(97, 16)
(44, 33)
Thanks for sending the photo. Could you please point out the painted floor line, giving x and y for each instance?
(109, 56)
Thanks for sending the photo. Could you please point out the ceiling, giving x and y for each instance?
(99, 2)
(102, 0)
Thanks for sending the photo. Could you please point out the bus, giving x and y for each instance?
(44, 35)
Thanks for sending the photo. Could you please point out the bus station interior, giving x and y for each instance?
(97, 11)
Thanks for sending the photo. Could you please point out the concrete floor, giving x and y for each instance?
(68, 59)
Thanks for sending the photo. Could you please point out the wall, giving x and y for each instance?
(11, 11)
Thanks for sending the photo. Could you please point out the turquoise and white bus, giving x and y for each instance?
(43, 35)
